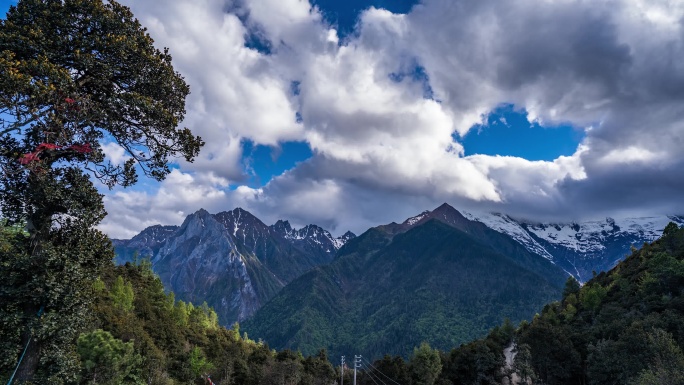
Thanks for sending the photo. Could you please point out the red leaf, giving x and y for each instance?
(82, 148)
(28, 158)
(69, 100)
(47, 146)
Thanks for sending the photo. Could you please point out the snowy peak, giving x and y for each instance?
(346, 237)
(311, 233)
(413, 220)
(506, 225)
(580, 248)
(592, 236)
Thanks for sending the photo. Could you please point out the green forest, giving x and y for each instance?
(382, 293)
(138, 334)
(622, 327)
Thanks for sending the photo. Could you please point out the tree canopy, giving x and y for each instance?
(74, 73)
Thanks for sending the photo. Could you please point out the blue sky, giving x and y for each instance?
(344, 14)
(508, 132)
(4, 6)
(348, 116)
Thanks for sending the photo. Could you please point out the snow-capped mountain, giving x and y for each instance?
(231, 260)
(580, 248)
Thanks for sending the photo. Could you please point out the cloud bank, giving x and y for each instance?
(379, 109)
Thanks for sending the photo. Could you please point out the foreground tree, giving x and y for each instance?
(74, 74)
(425, 365)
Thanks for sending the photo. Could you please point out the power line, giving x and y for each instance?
(377, 370)
(370, 374)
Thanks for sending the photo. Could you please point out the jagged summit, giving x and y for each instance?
(282, 227)
(231, 259)
(444, 213)
(347, 236)
(445, 207)
(200, 213)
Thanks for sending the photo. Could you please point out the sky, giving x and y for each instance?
(357, 113)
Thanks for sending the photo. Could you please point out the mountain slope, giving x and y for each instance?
(232, 260)
(389, 290)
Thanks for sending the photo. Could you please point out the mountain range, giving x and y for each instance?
(310, 280)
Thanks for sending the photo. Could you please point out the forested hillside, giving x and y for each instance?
(622, 327)
(141, 335)
(387, 293)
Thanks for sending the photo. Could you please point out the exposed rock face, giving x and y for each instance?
(231, 260)
(200, 262)
(146, 244)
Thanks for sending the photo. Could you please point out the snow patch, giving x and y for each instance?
(506, 225)
(413, 220)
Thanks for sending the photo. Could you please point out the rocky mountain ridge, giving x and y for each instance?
(231, 260)
(438, 278)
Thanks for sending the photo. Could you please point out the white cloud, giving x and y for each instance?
(631, 154)
(179, 195)
(115, 153)
(381, 149)
(236, 92)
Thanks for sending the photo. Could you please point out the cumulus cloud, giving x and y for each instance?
(179, 195)
(236, 92)
(115, 153)
(380, 110)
